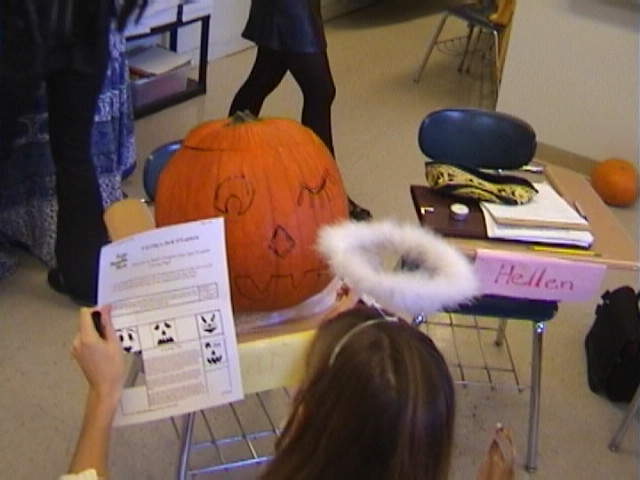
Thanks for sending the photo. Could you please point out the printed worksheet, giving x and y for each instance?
(171, 306)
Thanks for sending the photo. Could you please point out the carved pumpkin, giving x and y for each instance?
(616, 181)
(276, 184)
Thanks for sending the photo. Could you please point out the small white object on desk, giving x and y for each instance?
(459, 211)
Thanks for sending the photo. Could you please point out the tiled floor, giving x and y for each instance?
(376, 115)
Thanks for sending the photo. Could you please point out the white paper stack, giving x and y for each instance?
(156, 60)
(548, 218)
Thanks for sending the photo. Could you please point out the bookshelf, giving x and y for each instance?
(195, 87)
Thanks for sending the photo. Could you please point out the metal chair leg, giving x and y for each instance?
(471, 28)
(185, 447)
(432, 44)
(473, 51)
(500, 334)
(496, 53)
(632, 409)
(534, 397)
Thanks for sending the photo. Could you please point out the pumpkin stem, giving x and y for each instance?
(244, 116)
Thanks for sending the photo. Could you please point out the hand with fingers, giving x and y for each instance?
(97, 350)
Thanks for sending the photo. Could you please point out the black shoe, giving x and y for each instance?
(56, 282)
(358, 213)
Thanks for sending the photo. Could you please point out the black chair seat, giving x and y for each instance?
(512, 308)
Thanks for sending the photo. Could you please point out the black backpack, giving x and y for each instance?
(613, 346)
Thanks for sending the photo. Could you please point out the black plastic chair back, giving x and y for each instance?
(477, 138)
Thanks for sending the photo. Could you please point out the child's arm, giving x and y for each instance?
(102, 363)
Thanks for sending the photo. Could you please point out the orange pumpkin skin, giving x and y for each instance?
(616, 181)
(275, 183)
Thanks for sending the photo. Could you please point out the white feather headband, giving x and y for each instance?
(440, 275)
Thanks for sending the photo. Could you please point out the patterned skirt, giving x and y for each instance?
(28, 206)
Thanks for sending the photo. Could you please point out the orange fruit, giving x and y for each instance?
(616, 181)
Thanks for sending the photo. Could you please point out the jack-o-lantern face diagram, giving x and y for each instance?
(213, 353)
(276, 184)
(163, 332)
(129, 339)
(209, 323)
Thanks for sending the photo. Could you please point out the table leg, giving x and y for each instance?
(614, 445)
(185, 446)
(534, 397)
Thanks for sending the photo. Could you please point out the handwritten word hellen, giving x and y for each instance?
(511, 275)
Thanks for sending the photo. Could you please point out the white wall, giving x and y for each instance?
(227, 21)
(572, 72)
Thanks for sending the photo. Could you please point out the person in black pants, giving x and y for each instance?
(290, 37)
(65, 45)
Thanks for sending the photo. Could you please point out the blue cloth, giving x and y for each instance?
(28, 205)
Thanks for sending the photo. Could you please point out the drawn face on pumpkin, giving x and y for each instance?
(277, 241)
(276, 184)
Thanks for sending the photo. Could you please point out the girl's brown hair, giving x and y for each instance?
(382, 409)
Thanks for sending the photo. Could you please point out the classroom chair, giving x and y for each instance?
(487, 139)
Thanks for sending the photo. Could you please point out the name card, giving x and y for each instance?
(539, 278)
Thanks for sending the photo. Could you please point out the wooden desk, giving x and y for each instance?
(611, 240)
(615, 250)
(270, 357)
(273, 356)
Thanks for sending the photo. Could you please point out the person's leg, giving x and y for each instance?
(72, 98)
(313, 74)
(266, 74)
(15, 100)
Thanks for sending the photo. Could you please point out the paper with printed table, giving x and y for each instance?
(171, 306)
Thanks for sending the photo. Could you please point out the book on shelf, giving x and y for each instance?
(155, 60)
